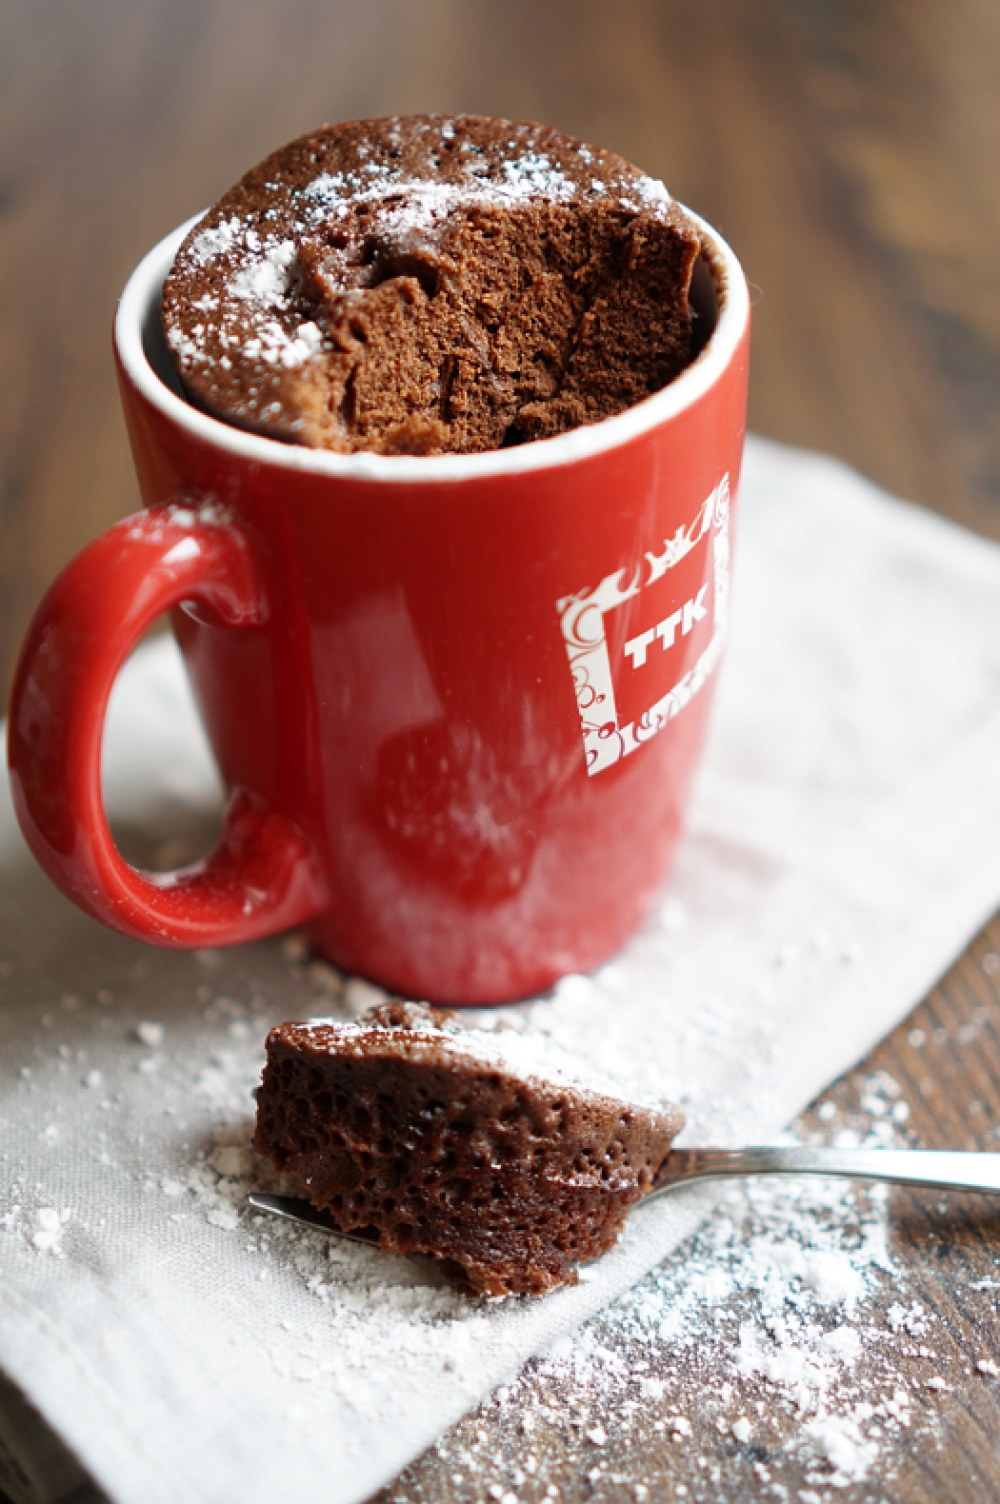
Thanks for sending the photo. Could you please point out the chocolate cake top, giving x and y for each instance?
(431, 284)
(421, 1033)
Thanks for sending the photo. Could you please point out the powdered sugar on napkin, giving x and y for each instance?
(841, 848)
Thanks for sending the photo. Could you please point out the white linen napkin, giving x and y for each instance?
(842, 847)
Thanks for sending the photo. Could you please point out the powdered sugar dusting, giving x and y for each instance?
(533, 174)
(214, 241)
(260, 269)
(534, 1056)
(652, 191)
(45, 1229)
(265, 281)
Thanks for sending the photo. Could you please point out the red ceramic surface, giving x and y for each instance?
(457, 701)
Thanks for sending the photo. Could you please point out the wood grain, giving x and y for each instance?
(848, 151)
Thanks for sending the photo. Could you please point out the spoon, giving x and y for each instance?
(941, 1169)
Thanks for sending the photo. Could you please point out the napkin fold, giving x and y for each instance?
(841, 849)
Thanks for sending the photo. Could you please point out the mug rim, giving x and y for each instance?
(145, 285)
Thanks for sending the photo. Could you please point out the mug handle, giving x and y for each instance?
(262, 875)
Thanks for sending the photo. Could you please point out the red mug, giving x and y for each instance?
(457, 702)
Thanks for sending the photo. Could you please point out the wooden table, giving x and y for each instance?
(847, 149)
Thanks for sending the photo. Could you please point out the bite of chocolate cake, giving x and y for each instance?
(448, 1145)
(431, 284)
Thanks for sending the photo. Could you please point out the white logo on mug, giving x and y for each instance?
(612, 724)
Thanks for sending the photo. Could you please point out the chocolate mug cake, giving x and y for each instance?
(450, 1143)
(431, 285)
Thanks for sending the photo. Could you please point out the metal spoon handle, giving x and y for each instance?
(946, 1169)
